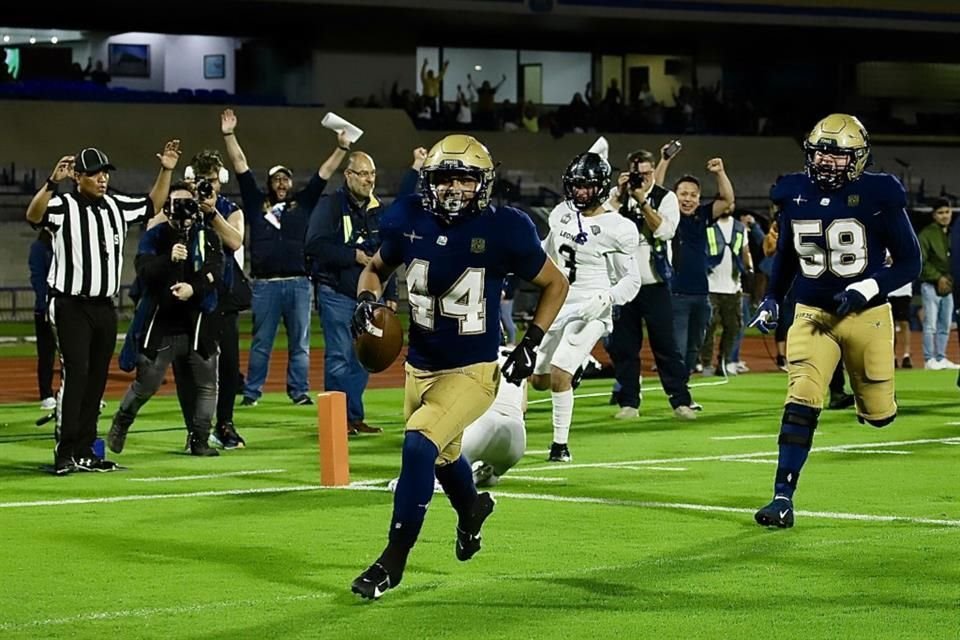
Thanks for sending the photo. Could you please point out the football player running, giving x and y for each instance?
(595, 247)
(457, 249)
(836, 224)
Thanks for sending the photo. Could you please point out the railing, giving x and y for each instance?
(16, 303)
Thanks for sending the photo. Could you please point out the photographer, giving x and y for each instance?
(656, 212)
(180, 264)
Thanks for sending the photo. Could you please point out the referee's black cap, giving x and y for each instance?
(92, 160)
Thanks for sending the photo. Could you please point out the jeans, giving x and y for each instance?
(747, 316)
(691, 314)
(506, 320)
(937, 315)
(289, 299)
(192, 371)
(342, 370)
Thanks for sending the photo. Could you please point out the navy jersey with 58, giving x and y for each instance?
(830, 240)
(454, 277)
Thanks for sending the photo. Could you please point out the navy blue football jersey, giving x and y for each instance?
(454, 277)
(830, 240)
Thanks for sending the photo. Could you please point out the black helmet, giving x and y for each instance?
(588, 170)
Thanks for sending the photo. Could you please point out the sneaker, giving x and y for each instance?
(117, 435)
(627, 413)
(248, 402)
(778, 513)
(225, 435)
(559, 453)
(695, 406)
(48, 404)
(93, 463)
(198, 447)
(359, 426)
(683, 412)
(302, 399)
(841, 400)
(946, 364)
(906, 364)
(742, 367)
(782, 363)
(483, 475)
(372, 583)
(933, 365)
(63, 466)
(468, 539)
(698, 368)
(731, 369)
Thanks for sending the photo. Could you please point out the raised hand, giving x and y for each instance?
(64, 169)
(419, 157)
(228, 122)
(715, 165)
(170, 155)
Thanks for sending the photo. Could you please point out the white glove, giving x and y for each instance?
(598, 305)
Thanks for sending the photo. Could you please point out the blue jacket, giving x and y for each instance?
(338, 227)
(41, 255)
(277, 230)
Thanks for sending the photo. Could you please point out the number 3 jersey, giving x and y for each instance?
(604, 261)
(454, 277)
(831, 241)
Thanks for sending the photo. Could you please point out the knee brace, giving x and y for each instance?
(882, 422)
(798, 425)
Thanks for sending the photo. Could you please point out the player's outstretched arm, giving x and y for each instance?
(228, 125)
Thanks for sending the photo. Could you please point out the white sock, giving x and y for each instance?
(562, 415)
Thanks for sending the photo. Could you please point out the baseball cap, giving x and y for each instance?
(91, 160)
(274, 170)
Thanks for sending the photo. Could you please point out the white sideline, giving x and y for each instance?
(159, 496)
(645, 389)
(207, 476)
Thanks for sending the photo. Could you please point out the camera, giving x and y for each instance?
(635, 181)
(183, 209)
(204, 189)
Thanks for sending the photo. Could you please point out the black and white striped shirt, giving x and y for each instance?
(88, 239)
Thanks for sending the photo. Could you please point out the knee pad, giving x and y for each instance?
(882, 422)
(798, 425)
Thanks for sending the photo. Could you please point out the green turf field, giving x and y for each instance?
(647, 534)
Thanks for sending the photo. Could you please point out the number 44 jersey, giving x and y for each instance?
(455, 275)
(831, 241)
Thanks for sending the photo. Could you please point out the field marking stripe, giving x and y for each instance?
(158, 496)
(738, 456)
(753, 461)
(764, 436)
(890, 452)
(207, 476)
(683, 506)
(150, 612)
(644, 389)
(531, 478)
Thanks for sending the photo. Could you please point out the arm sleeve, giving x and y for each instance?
(251, 194)
(524, 254)
(391, 240)
(310, 194)
(928, 273)
(152, 266)
(390, 289)
(53, 216)
(408, 183)
(785, 262)
(670, 212)
(325, 243)
(904, 250)
(134, 209)
(626, 271)
(210, 274)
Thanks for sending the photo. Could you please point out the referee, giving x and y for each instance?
(89, 227)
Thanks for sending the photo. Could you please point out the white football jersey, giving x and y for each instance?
(599, 263)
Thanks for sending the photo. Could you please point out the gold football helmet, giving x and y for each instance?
(457, 154)
(838, 134)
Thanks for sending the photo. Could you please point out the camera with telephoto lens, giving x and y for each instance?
(204, 189)
(184, 209)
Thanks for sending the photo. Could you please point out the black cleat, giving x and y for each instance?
(225, 435)
(468, 541)
(64, 466)
(198, 446)
(778, 513)
(372, 583)
(93, 463)
(841, 400)
(559, 453)
(117, 437)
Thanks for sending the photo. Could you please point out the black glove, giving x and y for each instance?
(363, 314)
(520, 362)
(849, 301)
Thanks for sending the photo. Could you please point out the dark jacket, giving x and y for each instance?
(203, 270)
(277, 230)
(338, 227)
(41, 255)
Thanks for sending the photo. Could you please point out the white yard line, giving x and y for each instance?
(890, 452)
(152, 612)
(765, 436)
(531, 478)
(207, 476)
(158, 496)
(750, 461)
(645, 389)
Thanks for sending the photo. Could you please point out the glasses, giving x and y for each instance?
(362, 174)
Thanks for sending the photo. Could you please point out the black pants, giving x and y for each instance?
(652, 305)
(46, 352)
(228, 373)
(86, 330)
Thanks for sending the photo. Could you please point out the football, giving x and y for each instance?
(378, 349)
